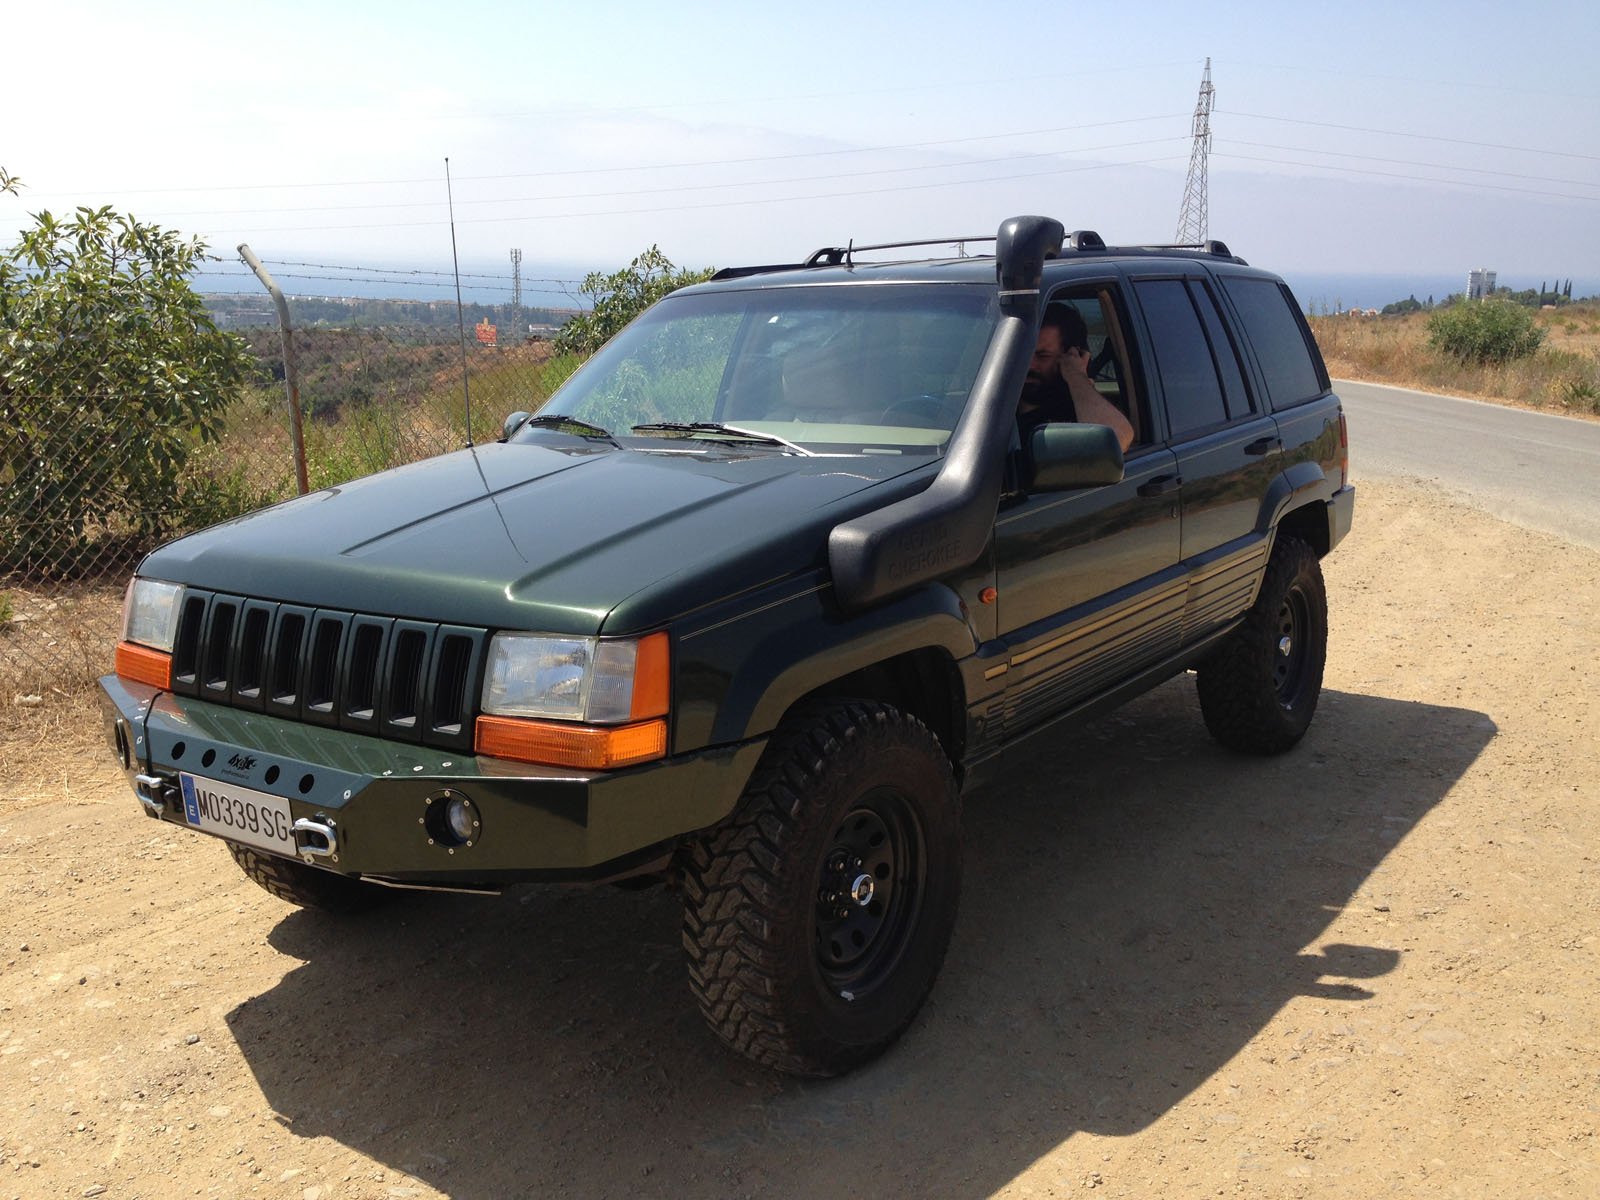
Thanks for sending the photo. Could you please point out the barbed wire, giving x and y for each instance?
(281, 262)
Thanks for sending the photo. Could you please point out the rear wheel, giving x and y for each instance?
(309, 887)
(816, 919)
(1259, 688)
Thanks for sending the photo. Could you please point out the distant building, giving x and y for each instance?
(1479, 283)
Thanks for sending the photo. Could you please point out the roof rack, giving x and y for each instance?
(1213, 247)
(1078, 239)
(833, 256)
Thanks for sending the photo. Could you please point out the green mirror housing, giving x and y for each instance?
(1064, 455)
(512, 424)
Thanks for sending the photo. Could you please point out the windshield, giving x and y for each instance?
(882, 368)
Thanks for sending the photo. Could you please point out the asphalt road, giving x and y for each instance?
(1533, 469)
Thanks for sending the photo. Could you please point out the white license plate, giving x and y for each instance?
(239, 814)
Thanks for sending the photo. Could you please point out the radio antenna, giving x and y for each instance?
(461, 321)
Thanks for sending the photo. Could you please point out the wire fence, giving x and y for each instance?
(380, 383)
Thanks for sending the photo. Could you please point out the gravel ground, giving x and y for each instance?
(1368, 967)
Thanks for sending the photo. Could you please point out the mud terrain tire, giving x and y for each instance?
(309, 887)
(1259, 688)
(817, 917)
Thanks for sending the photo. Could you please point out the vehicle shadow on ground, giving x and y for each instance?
(1136, 908)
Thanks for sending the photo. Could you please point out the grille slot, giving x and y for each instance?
(454, 683)
(286, 666)
(322, 671)
(363, 672)
(408, 661)
(217, 654)
(250, 665)
(186, 648)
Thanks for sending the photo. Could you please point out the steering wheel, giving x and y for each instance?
(926, 411)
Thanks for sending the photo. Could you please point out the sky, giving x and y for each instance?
(1408, 140)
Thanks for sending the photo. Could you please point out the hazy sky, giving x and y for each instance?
(1358, 137)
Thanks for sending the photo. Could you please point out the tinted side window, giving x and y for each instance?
(1222, 349)
(1279, 338)
(1183, 356)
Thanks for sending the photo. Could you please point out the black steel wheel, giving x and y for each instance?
(817, 917)
(1259, 687)
(870, 893)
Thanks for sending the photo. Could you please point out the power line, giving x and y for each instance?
(1428, 137)
(669, 166)
(657, 208)
(1462, 183)
(1406, 162)
(689, 187)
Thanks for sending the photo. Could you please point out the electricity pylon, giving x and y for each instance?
(1192, 221)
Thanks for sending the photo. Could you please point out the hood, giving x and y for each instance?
(554, 534)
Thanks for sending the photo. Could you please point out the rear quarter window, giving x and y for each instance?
(1290, 366)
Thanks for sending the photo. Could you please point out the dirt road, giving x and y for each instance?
(1368, 968)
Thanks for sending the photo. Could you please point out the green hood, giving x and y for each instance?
(559, 535)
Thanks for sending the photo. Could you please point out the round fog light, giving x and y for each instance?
(451, 820)
(459, 818)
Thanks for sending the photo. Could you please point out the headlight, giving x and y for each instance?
(593, 680)
(150, 613)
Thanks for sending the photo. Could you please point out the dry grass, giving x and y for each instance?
(1564, 376)
(58, 639)
(55, 645)
(53, 751)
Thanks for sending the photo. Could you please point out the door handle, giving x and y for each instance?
(1161, 485)
(1262, 445)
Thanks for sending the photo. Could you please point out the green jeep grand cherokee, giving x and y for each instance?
(752, 601)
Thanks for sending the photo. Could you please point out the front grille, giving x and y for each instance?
(411, 680)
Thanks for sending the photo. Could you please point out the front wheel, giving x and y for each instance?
(1259, 687)
(309, 887)
(816, 919)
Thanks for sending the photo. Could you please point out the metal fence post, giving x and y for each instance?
(291, 377)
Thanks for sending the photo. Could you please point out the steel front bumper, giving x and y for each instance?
(370, 794)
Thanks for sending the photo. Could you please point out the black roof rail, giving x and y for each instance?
(741, 272)
(1085, 239)
(1213, 247)
(833, 256)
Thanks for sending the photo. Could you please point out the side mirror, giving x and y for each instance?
(1066, 455)
(512, 424)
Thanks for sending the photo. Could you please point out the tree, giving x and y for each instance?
(618, 298)
(111, 375)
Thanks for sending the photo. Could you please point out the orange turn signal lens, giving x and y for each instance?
(558, 744)
(652, 674)
(144, 665)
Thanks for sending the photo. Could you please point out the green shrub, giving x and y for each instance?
(5, 611)
(1486, 331)
(621, 296)
(112, 375)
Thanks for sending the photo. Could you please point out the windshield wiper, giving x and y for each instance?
(572, 424)
(689, 428)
